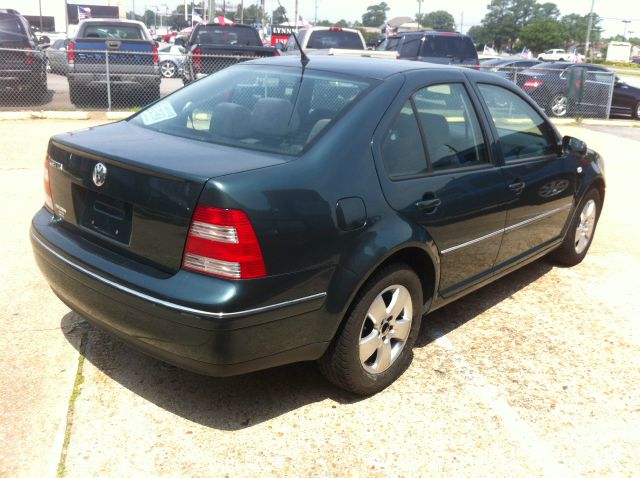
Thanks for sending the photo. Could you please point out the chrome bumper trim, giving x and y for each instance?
(172, 305)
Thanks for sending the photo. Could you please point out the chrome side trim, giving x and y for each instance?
(537, 218)
(472, 241)
(171, 305)
(507, 229)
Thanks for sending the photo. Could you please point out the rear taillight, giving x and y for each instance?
(531, 84)
(222, 242)
(477, 67)
(335, 29)
(71, 53)
(398, 56)
(48, 200)
(28, 59)
(155, 54)
(197, 59)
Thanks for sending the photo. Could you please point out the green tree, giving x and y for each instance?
(375, 15)
(148, 17)
(341, 24)
(324, 23)
(501, 21)
(541, 36)
(574, 28)
(279, 15)
(480, 36)
(440, 20)
(546, 11)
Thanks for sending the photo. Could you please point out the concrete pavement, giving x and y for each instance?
(536, 374)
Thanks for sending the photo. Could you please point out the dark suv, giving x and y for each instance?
(23, 64)
(433, 47)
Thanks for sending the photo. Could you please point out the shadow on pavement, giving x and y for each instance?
(458, 313)
(12, 99)
(240, 402)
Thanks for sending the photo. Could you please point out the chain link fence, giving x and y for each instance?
(62, 79)
(563, 91)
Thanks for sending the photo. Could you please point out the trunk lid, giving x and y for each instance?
(141, 200)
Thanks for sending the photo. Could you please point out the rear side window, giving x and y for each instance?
(523, 132)
(402, 149)
(225, 35)
(448, 46)
(410, 46)
(335, 39)
(451, 128)
(11, 28)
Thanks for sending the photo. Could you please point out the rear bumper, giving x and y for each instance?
(187, 335)
(99, 80)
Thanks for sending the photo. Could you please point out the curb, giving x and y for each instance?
(26, 115)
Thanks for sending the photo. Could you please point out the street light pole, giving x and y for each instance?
(40, 5)
(586, 46)
(420, 13)
(626, 22)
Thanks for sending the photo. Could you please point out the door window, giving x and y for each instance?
(402, 150)
(523, 132)
(451, 128)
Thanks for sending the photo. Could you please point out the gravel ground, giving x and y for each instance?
(536, 374)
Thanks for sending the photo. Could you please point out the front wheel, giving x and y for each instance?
(559, 105)
(373, 346)
(637, 111)
(579, 236)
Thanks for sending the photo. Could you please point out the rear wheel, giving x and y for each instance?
(76, 95)
(637, 111)
(373, 346)
(168, 69)
(559, 105)
(579, 236)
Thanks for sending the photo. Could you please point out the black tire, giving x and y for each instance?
(341, 364)
(555, 106)
(77, 95)
(637, 111)
(568, 254)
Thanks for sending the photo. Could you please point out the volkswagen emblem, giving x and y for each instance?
(99, 174)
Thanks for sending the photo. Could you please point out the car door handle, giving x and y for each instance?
(428, 205)
(518, 186)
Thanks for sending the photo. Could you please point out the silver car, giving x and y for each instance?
(171, 61)
(57, 57)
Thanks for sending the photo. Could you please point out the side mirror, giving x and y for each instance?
(44, 40)
(571, 145)
(279, 46)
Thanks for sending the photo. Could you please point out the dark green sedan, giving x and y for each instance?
(272, 213)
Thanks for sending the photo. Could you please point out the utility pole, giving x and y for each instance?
(315, 21)
(461, 21)
(295, 16)
(420, 13)
(586, 46)
(40, 5)
(241, 11)
(624, 35)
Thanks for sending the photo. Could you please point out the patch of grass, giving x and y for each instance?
(75, 393)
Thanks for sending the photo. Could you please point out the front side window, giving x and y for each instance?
(451, 127)
(256, 107)
(410, 46)
(522, 131)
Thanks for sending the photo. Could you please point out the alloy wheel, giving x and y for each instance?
(559, 105)
(168, 69)
(584, 231)
(385, 329)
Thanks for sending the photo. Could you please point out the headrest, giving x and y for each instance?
(273, 117)
(230, 120)
(317, 128)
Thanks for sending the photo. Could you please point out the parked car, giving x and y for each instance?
(557, 54)
(213, 47)
(563, 89)
(57, 56)
(171, 60)
(133, 59)
(23, 64)
(323, 38)
(507, 67)
(290, 213)
(433, 47)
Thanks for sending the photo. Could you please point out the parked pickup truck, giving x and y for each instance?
(213, 47)
(131, 63)
(333, 41)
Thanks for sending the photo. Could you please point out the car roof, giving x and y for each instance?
(373, 68)
(431, 32)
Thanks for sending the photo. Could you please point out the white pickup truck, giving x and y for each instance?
(332, 41)
(557, 54)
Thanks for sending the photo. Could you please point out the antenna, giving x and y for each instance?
(304, 59)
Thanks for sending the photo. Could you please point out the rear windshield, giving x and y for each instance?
(113, 32)
(335, 39)
(390, 44)
(448, 46)
(256, 107)
(221, 35)
(11, 28)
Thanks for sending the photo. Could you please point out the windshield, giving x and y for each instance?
(390, 44)
(113, 32)
(256, 107)
(226, 35)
